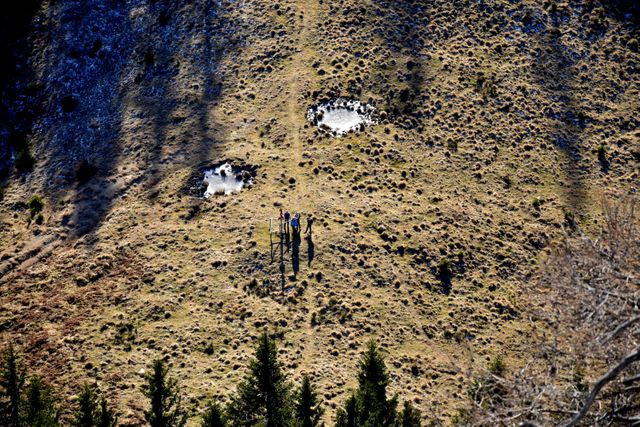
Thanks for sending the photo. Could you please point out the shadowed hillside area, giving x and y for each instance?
(440, 156)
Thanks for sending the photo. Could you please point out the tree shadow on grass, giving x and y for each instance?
(19, 96)
(144, 96)
(553, 69)
(403, 32)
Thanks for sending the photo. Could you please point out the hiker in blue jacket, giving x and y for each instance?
(295, 224)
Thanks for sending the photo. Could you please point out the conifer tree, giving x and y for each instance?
(106, 417)
(214, 417)
(264, 397)
(409, 417)
(346, 417)
(165, 400)
(93, 410)
(40, 406)
(12, 378)
(308, 412)
(370, 406)
(373, 406)
(87, 413)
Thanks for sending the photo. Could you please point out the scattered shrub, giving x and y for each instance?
(69, 104)
(462, 417)
(536, 203)
(579, 379)
(209, 349)
(33, 88)
(20, 143)
(84, 171)
(570, 218)
(445, 268)
(24, 161)
(497, 366)
(35, 205)
(602, 153)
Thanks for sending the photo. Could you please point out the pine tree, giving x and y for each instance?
(373, 406)
(264, 397)
(87, 413)
(369, 406)
(165, 400)
(346, 416)
(308, 412)
(214, 417)
(40, 406)
(93, 410)
(12, 378)
(409, 417)
(106, 417)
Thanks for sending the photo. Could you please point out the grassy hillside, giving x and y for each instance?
(500, 123)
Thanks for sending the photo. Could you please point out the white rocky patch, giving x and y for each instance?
(342, 116)
(223, 180)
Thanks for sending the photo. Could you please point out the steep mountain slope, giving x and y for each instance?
(491, 118)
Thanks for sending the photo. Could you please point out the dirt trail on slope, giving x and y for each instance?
(295, 109)
(296, 115)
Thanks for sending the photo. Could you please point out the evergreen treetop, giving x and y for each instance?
(12, 379)
(308, 412)
(409, 417)
(214, 417)
(87, 408)
(165, 410)
(40, 408)
(347, 416)
(106, 417)
(264, 397)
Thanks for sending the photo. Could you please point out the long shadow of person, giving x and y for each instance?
(287, 239)
(295, 253)
(311, 249)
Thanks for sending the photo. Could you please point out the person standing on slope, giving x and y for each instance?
(287, 218)
(295, 224)
(310, 221)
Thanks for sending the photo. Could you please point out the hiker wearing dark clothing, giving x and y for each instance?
(310, 221)
(287, 218)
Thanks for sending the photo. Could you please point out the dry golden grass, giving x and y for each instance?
(526, 109)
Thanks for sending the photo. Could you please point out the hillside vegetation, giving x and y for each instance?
(501, 126)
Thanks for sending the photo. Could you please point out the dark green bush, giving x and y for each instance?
(35, 205)
(536, 203)
(445, 268)
(497, 366)
(570, 218)
(24, 159)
